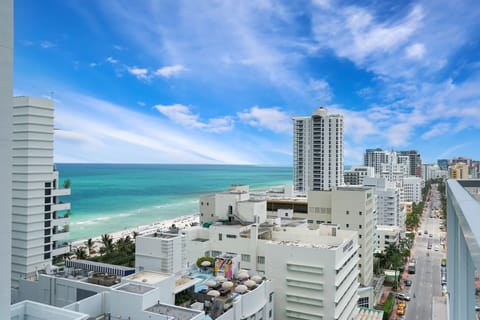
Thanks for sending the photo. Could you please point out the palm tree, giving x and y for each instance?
(135, 234)
(80, 253)
(107, 242)
(90, 244)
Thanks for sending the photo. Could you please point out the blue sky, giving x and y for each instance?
(219, 81)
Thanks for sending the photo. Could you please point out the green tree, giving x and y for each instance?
(67, 183)
(80, 253)
(107, 241)
(90, 244)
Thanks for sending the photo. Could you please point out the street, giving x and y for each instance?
(426, 282)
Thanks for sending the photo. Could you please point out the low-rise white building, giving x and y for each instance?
(387, 235)
(356, 174)
(314, 272)
(161, 252)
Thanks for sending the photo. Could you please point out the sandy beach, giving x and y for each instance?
(180, 222)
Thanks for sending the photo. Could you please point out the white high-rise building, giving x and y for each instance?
(396, 168)
(39, 218)
(317, 151)
(389, 211)
(6, 76)
(412, 189)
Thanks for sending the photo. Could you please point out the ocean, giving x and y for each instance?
(112, 197)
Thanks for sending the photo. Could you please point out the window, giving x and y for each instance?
(360, 236)
(231, 236)
(271, 298)
(348, 212)
(245, 258)
(348, 225)
(270, 313)
(261, 260)
(360, 212)
(216, 253)
(359, 226)
(220, 237)
(363, 302)
(207, 253)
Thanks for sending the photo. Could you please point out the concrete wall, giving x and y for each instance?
(6, 122)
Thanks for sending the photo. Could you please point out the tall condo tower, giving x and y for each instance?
(317, 151)
(6, 105)
(39, 218)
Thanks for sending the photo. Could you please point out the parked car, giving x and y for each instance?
(403, 296)
(408, 283)
(436, 248)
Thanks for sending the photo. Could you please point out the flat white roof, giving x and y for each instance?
(148, 277)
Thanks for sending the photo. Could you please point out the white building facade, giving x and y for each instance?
(352, 208)
(389, 210)
(317, 151)
(355, 175)
(412, 189)
(39, 217)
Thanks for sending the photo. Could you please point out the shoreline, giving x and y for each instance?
(161, 226)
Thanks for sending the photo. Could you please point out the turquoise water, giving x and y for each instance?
(112, 197)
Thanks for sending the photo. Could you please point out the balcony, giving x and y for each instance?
(61, 192)
(60, 233)
(60, 206)
(60, 221)
(60, 249)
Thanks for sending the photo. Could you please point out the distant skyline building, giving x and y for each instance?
(459, 170)
(317, 151)
(414, 162)
(375, 158)
(6, 123)
(443, 163)
(39, 220)
(356, 174)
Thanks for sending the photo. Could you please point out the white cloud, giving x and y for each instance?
(111, 60)
(170, 71)
(47, 44)
(267, 118)
(129, 136)
(416, 51)
(119, 48)
(78, 137)
(182, 115)
(140, 73)
(141, 103)
(436, 130)
(93, 64)
(320, 89)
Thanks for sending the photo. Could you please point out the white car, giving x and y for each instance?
(436, 248)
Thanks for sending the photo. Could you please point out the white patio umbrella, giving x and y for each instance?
(242, 275)
(206, 263)
(257, 278)
(220, 278)
(213, 293)
(241, 288)
(210, 283)
(227, 285)
(250, 283)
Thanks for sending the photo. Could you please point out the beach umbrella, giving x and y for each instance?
(210, 283)
(206, 263)
(220, 278)
(227, 285)
(242, 275)
(241, 288)
(213, 293)
(257, 278)
(250, 283)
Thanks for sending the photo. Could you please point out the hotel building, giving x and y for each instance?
(351, 208)
(314, 272)
(39, 217)
(317, 151)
